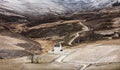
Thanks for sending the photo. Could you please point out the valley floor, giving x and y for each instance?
(98, 55)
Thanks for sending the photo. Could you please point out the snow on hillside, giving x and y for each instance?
(36, 8)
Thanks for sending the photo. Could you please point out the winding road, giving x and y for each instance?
(84, 29)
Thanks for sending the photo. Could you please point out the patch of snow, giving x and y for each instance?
(56, 7)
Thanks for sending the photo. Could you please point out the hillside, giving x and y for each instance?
(102, 24)
(88, 30)
(47, 10)
(14, 45)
